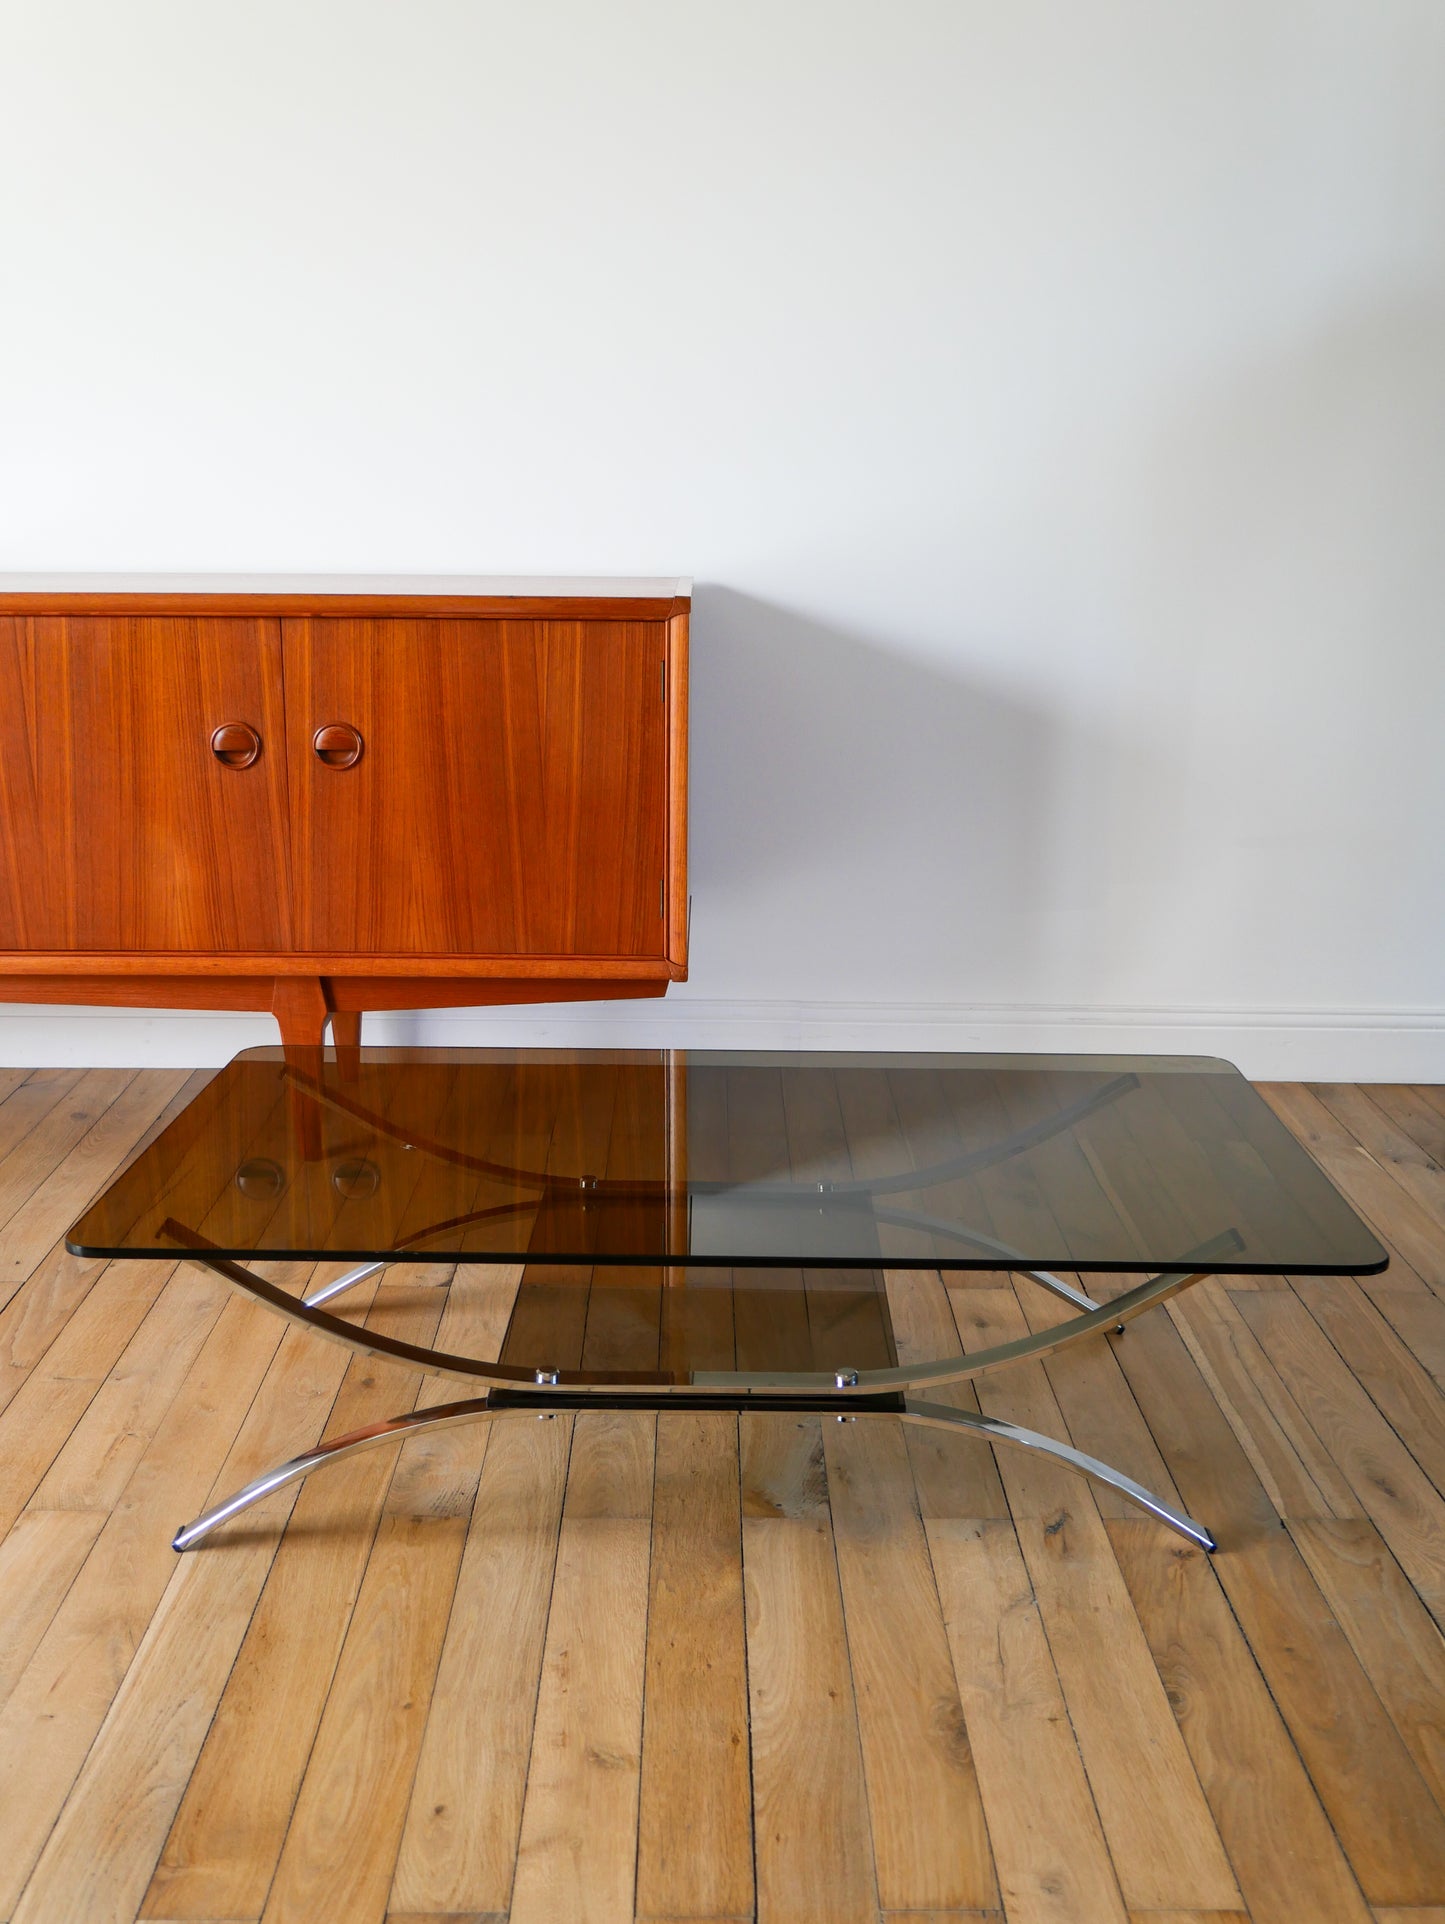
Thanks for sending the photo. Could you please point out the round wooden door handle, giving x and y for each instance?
(235, 744)
(338, 744)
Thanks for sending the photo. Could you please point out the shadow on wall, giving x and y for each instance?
(867, 825)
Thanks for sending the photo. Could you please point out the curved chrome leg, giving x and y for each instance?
(942, 1416)
(348, 1281)
(441, 1416)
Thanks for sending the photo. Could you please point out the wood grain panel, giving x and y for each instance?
(511, 796)
(119, 829)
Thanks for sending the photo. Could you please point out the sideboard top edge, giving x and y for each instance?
(596, 597)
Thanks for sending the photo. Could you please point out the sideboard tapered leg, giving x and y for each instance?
(346, 1034)
(298, 1003)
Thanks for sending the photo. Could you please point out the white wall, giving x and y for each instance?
(1048, 396)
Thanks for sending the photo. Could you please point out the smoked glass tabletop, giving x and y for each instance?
(658, 1159)
(645, 1215)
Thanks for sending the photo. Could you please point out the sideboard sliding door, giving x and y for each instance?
(477, 787)
(142, 785)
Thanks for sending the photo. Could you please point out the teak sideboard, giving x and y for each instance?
(321, 798)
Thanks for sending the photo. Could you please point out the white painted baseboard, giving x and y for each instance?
(1320, 1045)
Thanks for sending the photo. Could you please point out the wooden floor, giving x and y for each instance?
(690, 1668)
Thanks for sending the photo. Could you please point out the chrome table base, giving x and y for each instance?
(445, 1416)
(844, 1393)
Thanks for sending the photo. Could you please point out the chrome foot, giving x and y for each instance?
(442, 1416)
(942, 1416)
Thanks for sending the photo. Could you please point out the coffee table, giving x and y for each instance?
(723, 1230)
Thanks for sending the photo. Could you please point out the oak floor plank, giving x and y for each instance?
(364, 1756)
(577, 1852)
(450, 1917)
(1188, 1917)
(1392, 1633)
(38, 1315)
(695, 1842)
(38, 1563)
(48, 1116)
(340, 1851)
(953, 1475)
(97, 1860)
(930, 1841)
(1281, 1847)
(47, 1212)
(459, 1845)
(26, 1105)
(57, 1391)
(223, 1847)
(1281, 1844)
(810, 1806)
(1097, 1403)
(933, 1917)
(1406, 1229)
(1392, 1488)
(1053, 1863)
(95, 1463)
(1411, 1112)
(1417, 1317)
(62, 1697)
(1377, 1801)
(1400, 1387)
(1165, 1848)
(1394, 1148)
(10, 1081)
(1290, 1460)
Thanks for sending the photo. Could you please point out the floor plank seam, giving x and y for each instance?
(646, 1633)
(542, 1664)
(738, 1422)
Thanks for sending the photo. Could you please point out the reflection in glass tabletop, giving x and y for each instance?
(728, 1228)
